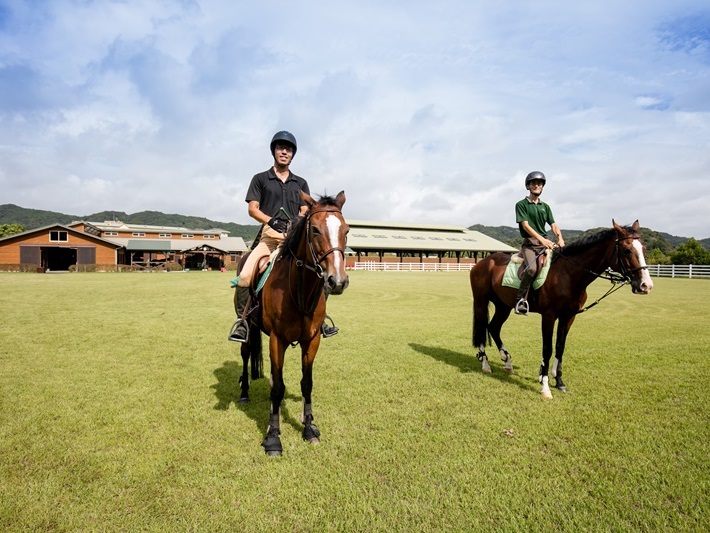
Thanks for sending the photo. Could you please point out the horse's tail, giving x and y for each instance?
(256, 355)
(479, 288)
(481, 335)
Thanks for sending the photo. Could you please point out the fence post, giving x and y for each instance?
(690, 271)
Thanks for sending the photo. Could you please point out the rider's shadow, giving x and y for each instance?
(228, 391)
(468, 363)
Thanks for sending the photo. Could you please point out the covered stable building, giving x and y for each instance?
(108, 245)
(403, 242)
(111, 244)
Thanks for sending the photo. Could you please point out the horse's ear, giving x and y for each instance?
(310, 202)
(636, 225)
(340, 199)
(616, 226)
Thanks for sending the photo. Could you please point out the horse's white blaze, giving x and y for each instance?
(333, 224)
(646, 280)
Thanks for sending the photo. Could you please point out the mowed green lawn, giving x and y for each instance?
(118, 413)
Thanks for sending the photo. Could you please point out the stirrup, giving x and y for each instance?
(328, 331)
(522, 307)
(233, 336)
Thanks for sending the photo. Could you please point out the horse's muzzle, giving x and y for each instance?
(336, 284)
(643, 285)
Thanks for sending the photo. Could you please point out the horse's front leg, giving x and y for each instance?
(311, 433)
(272, 442)
(563, 326)
(548, 325)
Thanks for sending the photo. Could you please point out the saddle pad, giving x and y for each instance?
(264, 276)
(234, 282)
(511, 279)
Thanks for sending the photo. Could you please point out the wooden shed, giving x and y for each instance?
(57, 247)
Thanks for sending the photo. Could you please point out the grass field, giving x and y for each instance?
(118, 413)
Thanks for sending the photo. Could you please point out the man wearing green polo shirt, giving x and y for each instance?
(532, 216)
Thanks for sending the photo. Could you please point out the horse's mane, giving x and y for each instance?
(293, 237)
(589, 240)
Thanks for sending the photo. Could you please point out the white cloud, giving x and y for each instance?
(430, 113)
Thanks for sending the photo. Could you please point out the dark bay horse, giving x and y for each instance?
(562, 296)
(291, 306)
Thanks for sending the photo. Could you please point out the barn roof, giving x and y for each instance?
(55, 226)
(225, 244)
(368, 235)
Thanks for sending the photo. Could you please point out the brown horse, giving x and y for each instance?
(291, 306)
(616, 254)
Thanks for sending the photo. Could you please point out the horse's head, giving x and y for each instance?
(628, 258)
(327, 236)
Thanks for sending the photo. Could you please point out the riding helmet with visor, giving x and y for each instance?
(286, 138)
(535, 175)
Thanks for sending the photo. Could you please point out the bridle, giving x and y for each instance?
(308, 305)
(316, 267)
(618, 279)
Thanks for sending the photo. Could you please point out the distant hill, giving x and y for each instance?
(35, 218)
(652, 239)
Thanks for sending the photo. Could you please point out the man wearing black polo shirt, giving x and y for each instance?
(274, 198)
(532, 215)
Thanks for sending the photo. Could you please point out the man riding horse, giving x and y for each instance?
(274, 198)
(532, 214)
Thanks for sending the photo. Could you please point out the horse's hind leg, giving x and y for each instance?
(480, 330)
(501, 314)
(251, 356)
(244, 378)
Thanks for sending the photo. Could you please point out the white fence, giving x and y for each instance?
(659, 271)
(413, 267)
(680, 271)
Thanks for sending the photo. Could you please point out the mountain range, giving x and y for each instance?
(36, 218)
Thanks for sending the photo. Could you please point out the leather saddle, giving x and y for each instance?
(261, 268)
(519, 259)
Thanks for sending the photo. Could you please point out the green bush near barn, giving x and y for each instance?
(118, 413)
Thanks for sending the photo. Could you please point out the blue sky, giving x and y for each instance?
(427, 112)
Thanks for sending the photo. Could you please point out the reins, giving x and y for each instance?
(618, 280)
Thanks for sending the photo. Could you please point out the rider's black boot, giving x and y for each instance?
(240, 329)
(521, 302)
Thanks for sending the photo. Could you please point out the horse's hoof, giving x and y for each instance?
(561, 388)
(509, 371)
(546, 394)
(244, 400)
(272, 446)
(311, 434)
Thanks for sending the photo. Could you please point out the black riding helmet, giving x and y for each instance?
(535, 175)
(284, 137)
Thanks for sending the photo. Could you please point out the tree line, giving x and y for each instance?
(661, 248)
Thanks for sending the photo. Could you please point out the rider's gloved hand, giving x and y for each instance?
(278, 224)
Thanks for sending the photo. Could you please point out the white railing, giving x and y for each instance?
(680, 271)
(659, 271)
(413, 267)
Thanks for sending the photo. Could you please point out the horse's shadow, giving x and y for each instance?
(468, 363)
(228, 390)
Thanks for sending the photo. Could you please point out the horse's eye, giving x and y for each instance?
(316, 231)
